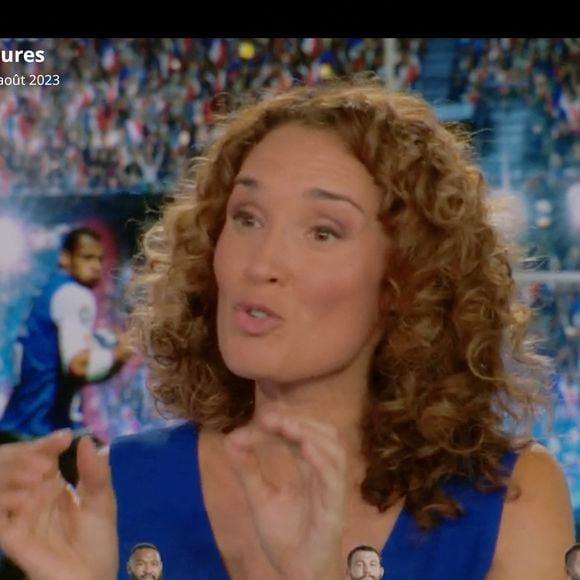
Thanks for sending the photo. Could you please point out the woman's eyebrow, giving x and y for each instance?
(314, 192)
(319, 193)
(248, 182)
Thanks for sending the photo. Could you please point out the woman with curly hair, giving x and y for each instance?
(329, 307)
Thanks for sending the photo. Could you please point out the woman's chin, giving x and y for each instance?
(259, 372)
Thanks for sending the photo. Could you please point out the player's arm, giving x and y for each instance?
(73, 310)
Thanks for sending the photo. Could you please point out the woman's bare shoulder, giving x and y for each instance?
(537, 525)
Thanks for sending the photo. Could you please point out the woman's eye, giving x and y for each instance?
(244, 219)
(324, 234)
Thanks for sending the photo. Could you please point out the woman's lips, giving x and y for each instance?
(262, 321)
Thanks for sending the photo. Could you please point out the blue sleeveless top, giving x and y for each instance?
(159, 501)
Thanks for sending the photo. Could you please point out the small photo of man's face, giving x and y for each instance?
(365, 565)
(145, 564)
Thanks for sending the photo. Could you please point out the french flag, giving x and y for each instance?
(217, 51)
(311, 46)
(219, 84)
(109, 58)
(135, 131)
(193, 89)
(88, 96)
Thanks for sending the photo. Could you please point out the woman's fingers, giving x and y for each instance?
(293, 470)
(329, 475)
(24, 465)
(315, 445)
(322, 438)
(320, 449)
(55, 528)
(276, 420)
(95, 487)
(12, 499)
(241, 448)
(33, 519)
(53, 444)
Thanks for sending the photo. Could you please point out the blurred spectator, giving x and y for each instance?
(120, 114)
(408, 67)
(543, 73)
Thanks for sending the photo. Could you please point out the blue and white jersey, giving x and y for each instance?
(59, 326)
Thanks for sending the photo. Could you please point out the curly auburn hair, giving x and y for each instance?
(443, 379)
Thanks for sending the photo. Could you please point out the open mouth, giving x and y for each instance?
(257, 313)
(254, 319)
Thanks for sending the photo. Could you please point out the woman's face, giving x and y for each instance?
(300, 261)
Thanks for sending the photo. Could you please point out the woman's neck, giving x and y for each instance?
(338, 401)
